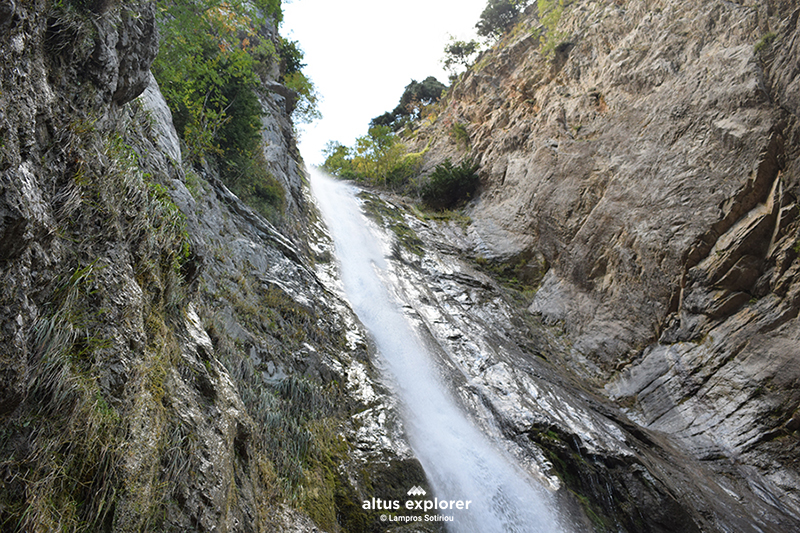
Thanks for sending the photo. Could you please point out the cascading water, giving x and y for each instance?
(459, 460)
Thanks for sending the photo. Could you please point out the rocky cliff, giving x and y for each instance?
(642, 156)
(172, 361)
(169, 361)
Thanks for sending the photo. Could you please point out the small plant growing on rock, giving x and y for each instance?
(549, 15)
(459, 133)
(764, 43)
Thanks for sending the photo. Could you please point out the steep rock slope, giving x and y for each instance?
(649, 161)
(168, 359)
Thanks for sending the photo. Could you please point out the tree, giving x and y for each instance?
(416, 97)
(210, 56)
(499, 16)
(338, 160)
(425, 93)
(213, 57)
(387, 119)
(459, 53)
(291, 57)
(377, 158)
(306, 108)
(376, 153)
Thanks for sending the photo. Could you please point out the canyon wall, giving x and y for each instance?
(169, 360)
(643, 156)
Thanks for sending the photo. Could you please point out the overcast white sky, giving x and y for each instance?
(361, 54)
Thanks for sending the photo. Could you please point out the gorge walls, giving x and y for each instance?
(169, 361)
(645, 154)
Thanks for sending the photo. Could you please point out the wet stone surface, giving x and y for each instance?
(512, 373)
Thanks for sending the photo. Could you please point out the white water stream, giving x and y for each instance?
(460, 461)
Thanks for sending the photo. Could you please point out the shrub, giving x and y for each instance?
(459, 133)
(764, 42)
(207, 60)
(249, 179)
(213, 57)
(305, 109)
(240, 134)
(550, 14)
(378, 158)
(338, 160)
(403, 170)
(291, 57)
(291, 67)
(449, 185)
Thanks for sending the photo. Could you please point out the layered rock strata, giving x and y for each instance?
(646, 154)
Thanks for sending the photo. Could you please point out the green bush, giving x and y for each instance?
(291, 67)
(291, 57)
(764, 42)
(450, 185)
(338, 160)
(549, 15)
(378, 158)
(241, 133)
(212, 62)
(403, 170)
(458, 132)
(207, 68)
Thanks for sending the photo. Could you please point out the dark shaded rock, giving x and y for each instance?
(7, 11)
(137, 45)
(125, 46)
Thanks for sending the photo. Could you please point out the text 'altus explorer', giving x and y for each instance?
(377, 504)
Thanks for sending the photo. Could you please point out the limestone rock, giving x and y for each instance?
(652, 159)
(148, 317)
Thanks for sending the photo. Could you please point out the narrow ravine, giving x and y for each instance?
(482, 489)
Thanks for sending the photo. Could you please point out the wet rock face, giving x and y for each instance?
(110, 44)
(652, 160)
(137, 45)
(48, 51)
(124, 49)
(610, 467)
(148, 318)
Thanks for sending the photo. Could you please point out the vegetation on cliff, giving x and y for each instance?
(66, 445)
(137, 340)
(381, 158)
(215, 60)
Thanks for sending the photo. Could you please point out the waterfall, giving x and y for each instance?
(461, 463)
